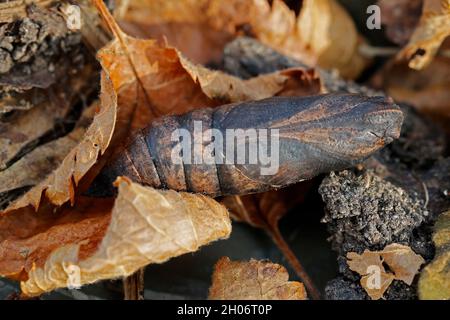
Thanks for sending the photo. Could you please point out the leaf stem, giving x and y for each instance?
(294, 262)
(133, 286)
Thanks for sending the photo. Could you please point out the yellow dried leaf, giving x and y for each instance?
(146, 226)
(253, 280)
(434, 281)
(433, 29)
(375, 280)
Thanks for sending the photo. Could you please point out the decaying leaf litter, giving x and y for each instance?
(50, 227)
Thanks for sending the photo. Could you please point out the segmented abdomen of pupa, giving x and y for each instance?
(316, 134)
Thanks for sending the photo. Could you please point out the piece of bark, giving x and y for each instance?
(38, 49)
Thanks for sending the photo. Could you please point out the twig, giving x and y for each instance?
(133, 286)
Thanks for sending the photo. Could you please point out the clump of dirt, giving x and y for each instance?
(366, 212)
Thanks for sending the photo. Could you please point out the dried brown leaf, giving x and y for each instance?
(315, 37)
(96, 240)
(433, 29)
(184, 24)
(375, 279)
(253, 280)
(28, 237)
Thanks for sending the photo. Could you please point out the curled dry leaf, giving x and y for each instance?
(433, 29)
(308, 37)
(36, 165)
(434, 281)
(99, 239)
(59, 186)
(253, 280)
(403, 262)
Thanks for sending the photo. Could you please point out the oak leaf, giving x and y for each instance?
(253, 280)
(434, 281)
(403, 262)
(99, 239)
(433, 29)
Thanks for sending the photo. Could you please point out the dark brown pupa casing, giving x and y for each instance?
(317, 134)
